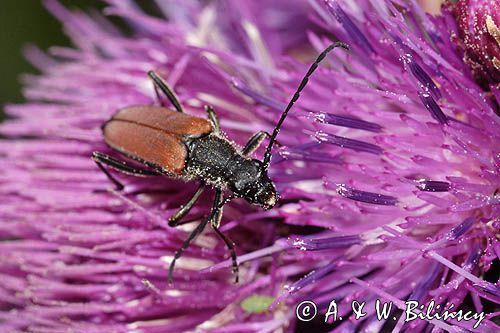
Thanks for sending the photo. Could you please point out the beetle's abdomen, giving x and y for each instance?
(209, 157)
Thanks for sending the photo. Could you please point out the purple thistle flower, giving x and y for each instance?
(479, 32)
(389, 174)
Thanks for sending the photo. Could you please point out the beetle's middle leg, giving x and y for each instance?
(184, 209)
(102, 159)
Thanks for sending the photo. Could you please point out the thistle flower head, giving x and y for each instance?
(388, 172)
(479, 35)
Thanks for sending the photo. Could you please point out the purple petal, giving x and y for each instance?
(259, 98)
(348, 143)
(346, 121)
(433, 186)
(352, 30)
(431, 105)
(367, 197)
(460, 229)
(316, 244)
(424, 79)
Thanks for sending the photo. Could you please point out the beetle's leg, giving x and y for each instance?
(230, 246)
(184, 209)
(102, 159)
(158, 96)
(213, 118)
(184, 246)
(160, 83)
(218, 205)
(193, 234)
(254, 142)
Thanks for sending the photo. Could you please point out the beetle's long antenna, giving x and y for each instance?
(303, 83)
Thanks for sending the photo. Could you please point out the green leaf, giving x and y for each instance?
(257, 303)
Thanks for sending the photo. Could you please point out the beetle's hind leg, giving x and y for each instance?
(214, 120)
(158, 97)
(102, 159)
(184, 209)
(163, 86)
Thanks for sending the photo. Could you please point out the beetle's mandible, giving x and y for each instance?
(175, 144)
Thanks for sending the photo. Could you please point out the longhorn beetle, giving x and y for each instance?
(175, 144)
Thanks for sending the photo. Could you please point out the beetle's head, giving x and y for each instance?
(254, 185)
(265, 194)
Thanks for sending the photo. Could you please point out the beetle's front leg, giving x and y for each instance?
(215, 223)
(254, 143)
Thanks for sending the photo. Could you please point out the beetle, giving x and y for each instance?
(174, 144)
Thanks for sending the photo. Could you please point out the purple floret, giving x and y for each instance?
(388, 171)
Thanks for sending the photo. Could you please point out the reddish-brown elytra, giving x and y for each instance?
(161, 131)
(175, 144)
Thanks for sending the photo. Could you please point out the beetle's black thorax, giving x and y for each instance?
(216, 161)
